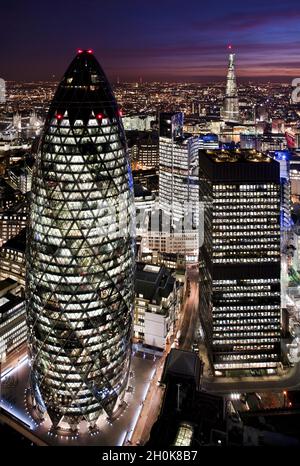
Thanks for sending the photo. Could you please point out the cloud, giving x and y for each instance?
(241, 21)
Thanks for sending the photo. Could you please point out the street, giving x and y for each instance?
(186, 325)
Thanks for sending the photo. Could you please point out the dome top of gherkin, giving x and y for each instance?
(84, 90)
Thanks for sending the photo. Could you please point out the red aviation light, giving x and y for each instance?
(99, 116)
(59, 116)
(89, 51)
(79, 50)
(229, 46)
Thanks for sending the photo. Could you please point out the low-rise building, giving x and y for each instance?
(12, 258)
(156, 304)
(13, 328)
(12, 221)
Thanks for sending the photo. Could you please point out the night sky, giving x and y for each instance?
(158, 39)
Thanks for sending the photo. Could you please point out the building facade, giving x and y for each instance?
(156, 303)
(13, 328)
(239, 262)
(144, 153)
(80, 255)
(138, 122)
(230, 111)
(12, 221)
(2, 91)
(12, 258)
(178, 186)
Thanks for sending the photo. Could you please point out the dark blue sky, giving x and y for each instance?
(158, 39)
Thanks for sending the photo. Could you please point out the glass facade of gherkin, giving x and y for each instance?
(80, 252)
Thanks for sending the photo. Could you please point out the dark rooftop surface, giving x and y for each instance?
(141, 191)
(236, 166)
(181, 363)
(7, 282)
(281, 421)
(18, 208)
(17, 243)
(238, 156)
(5, 189)
(11, 302)
(153, 282)
(184, 402)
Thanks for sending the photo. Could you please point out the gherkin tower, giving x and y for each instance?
(80, 252)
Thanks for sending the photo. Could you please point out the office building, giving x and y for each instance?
(138, 122)
(178, 185)
(239, 260)
(230, 110)
(144, 152)
(294, 171)
(156, 304)
(12, 258)
(8, 195)
(80, 255)
(283, 158)
(13, 328)
(20, 174)
(2, 91)
(12, 221)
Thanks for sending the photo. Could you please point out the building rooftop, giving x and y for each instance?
(18, 242)
(238, 156)
(235, 165)
(180, 363)
(84, 89)
(18, 208)
(153, 282)
(140, 191)
(8, 302)
(6, 285)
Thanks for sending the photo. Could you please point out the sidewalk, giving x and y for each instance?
(151, 408)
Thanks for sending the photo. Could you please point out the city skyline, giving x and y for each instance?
(165, 42)
(150, 225)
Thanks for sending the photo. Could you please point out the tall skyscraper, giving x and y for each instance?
(240, 259)
(178, 176)
(2, 91)
(80, 252)
(230, 111)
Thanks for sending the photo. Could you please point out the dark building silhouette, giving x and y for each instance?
(189, 416)
(240, 259)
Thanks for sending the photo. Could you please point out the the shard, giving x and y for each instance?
(80, 252)
(230, 111)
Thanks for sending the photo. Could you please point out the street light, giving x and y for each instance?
(284, 398)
